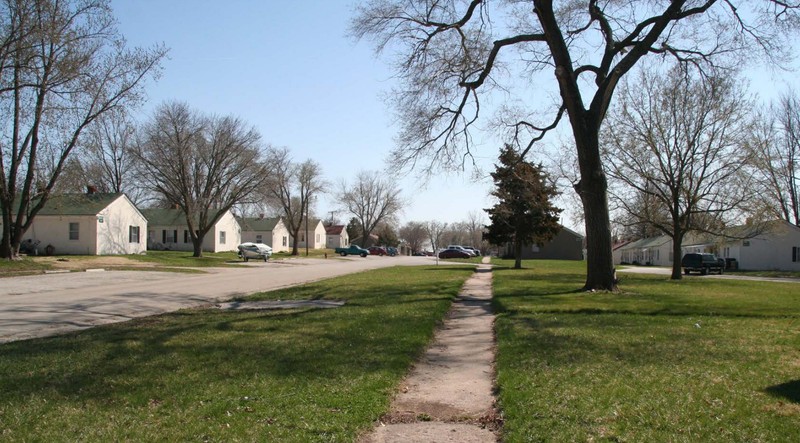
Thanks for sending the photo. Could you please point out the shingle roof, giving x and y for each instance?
(78, 204)
(164, 217)
(334, 230)
(258, 223)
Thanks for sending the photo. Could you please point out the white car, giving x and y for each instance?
(462, 249)
(250, 250)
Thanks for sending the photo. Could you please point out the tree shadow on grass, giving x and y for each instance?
(789, 390)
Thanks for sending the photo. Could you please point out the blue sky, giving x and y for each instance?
(288, 68)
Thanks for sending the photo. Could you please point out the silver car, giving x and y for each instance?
(257, 251)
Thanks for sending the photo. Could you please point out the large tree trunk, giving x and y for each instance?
(676, 257)
(593, 190)
(295, 234)
(197, 246)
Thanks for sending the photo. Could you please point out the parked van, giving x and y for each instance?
(702, 263)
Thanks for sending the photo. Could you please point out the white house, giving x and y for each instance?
(316, 232)
(89, 224)
(268, 230)
(336, 237)
(656, 251)
(765, 247)
(167, 230)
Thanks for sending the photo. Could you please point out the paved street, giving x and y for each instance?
(42, 305)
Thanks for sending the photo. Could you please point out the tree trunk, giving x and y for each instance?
(197, 246)
(593, 190)
(295, 234)
(517, 254)
(677, 241)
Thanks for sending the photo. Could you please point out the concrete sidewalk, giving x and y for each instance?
(447, 397)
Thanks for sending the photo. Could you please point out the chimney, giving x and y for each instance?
(91, 189)
(261, 216)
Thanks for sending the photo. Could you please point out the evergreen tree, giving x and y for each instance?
(354, 229)
(524, 213)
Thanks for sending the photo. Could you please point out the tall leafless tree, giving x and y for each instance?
(291, 189)
(435, 230)
(372, 198)
(774, 153)
(451, 55)
(203, 165)
(63, 64)
(413, 233)
(674, 145)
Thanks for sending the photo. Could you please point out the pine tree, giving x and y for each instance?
(524, 213)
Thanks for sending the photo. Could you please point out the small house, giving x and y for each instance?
(89, 224)
(566, 245)
(336, 237)
(268, 230)
(167, 230)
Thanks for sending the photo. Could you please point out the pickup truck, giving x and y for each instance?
(702, 263)
(352, 249)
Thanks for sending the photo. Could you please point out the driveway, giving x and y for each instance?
(668, 271)
(42, 305)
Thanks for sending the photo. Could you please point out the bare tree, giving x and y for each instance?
(413, 233)
(203, 165)
(291, 188)
(63, 64)
(451, 55)
(435, 230)
(674, 146)
(774, 153)
(372, 199)
(475, 224)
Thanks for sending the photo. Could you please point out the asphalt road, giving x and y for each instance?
(43, 305)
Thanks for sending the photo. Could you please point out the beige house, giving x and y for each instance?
(336, 237)
(167, 230)
(89, 224)
(316, 232)
(268, 230)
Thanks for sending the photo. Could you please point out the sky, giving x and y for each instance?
(289, 69)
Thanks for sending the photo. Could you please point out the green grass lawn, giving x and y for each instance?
(207, 375)
(695, 360)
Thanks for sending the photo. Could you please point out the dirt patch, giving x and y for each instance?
(280, 304)
(99, 262)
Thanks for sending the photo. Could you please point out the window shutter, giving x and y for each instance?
(163, 236)
(175, 236)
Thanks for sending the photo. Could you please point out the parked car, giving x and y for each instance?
(462, 249)
(351, 250)
(454, 253)
(475, 251)
(377, 250)
(250, 250)
(702, 263)
(392, 251)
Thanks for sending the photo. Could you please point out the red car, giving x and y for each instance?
(377, 250)
(454, 253)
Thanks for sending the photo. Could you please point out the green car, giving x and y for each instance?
(351, 250)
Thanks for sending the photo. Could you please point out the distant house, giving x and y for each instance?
(268, 230)
(336, 237)
(566, 245)
(167, 230)
(316, 234)
(89, 224)
(763, 247)
(373, 240)
(656, 251)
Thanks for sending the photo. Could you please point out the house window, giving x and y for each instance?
(285, 240)
(133, 234)
(746, 243)
(186, 236)
(169, 236)
(74, 231)
(222, 237)
(258, 239)
(795, 254)
(317, 238)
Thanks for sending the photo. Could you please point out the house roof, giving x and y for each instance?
(334, 230)
(160, 217)
(78, 204)
(651, 242)
(258, 223)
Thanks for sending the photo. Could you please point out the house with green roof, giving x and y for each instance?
(315, 232)
(168, 230)
(268, 230)
(93, 223)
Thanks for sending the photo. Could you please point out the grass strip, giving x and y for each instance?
(694, 360)
(207, 375)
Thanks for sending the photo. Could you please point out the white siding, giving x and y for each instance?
(113, 232)
(54, 230)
